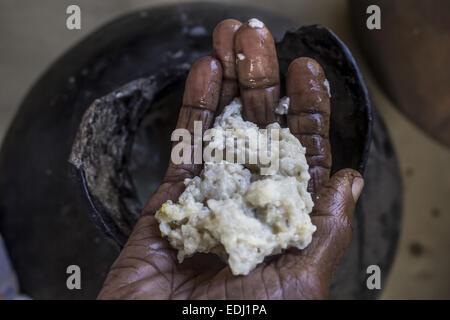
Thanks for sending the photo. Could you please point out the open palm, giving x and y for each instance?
(147, 267)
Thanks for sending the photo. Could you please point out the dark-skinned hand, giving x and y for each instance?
(147, 267)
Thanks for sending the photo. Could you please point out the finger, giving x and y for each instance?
(309, 117)
(223, 50)
(201, 96)
(166, 191)
(332, 215)
(258, 73)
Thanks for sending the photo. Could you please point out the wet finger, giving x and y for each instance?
(308, 116)
(200, 100)
(223, 50)
(258, 72)
(201, 96)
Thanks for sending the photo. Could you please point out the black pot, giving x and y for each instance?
(54, 214)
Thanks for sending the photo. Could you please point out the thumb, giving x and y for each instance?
(332, 215)
(166, 191)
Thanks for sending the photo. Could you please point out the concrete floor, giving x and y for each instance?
(33, 35)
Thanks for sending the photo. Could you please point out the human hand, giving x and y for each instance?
(147, 267)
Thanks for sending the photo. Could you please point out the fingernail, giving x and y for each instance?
(357, 186)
